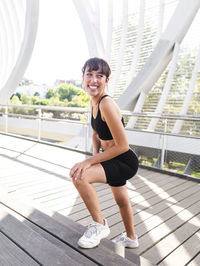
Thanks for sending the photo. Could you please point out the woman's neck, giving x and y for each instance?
(95, 99)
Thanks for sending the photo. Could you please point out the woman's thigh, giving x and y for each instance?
(95, 174)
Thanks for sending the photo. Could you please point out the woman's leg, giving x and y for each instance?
(122, 199)
(94, 174)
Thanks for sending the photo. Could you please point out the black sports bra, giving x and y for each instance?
(100, 126)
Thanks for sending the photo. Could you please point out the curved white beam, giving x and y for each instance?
(162, 53)
(166, 89)
(138, 42)
(92, 33)
(4, 45)
(109, 30)
(10, 36)
(114, 81)
(188, 97)
(161, 18)
(31, 21)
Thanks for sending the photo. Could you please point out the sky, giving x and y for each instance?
(60, 48)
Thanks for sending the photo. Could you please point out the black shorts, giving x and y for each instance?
(121, 168)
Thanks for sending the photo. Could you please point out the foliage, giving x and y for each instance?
(67, 91)
(50, 93)
(36, 94)
(66, 95)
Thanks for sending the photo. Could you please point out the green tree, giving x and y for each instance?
(37, 101)
(25, 99)
(15, 100)
(67, 91)
(16, 94)
(50, 93)
(36, 94)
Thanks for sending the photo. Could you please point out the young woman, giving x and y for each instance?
(116, 164)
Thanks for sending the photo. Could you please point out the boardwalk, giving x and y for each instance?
(166, 208)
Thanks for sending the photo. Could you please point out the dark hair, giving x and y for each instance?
(95, 64)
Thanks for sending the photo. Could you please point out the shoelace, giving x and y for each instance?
(121, 238)
(92, 228)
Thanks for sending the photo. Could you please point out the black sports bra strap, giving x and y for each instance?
(103, 97)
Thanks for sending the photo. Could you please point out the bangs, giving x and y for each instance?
(97, 64)
(94, 66)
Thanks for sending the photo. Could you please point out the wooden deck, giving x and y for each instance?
(166, 208)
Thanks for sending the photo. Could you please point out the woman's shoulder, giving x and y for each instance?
(108, 104)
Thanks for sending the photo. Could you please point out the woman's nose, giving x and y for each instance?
(94, 79)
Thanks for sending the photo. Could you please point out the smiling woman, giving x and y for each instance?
(114, 166)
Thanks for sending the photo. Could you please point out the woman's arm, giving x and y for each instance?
(111, 114)
(96, 144)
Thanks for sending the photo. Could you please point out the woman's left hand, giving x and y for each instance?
(77, 170)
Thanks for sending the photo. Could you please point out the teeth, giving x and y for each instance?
(93, 87)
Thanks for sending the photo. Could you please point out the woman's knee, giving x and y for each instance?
(80, 182)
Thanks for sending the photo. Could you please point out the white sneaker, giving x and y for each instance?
(127, 242)
(94, 233)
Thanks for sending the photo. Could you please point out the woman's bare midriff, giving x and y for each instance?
(106, 144)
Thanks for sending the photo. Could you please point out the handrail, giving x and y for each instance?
(38, 117)
(48, 107)
(123, 112)
(162, 116)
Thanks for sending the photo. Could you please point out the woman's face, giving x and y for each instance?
(94, 82)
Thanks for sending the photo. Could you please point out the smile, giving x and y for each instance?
(93, 87)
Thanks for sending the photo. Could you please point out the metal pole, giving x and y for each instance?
(6, 119)
(163, 145)
(39, 123)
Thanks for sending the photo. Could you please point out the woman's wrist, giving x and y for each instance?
(95, 152)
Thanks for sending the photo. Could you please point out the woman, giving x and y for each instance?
(114, 165)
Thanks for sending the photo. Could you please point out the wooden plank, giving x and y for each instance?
(135, 196)
(163, 205)
(99, 255)
(153, 236)
(139, 201)
(40, 249)
(170, 211)
(142, 202)
(108, 202)
(195, 261)
(59, 169)
(171, 242)
(12, 255)
(69, 192)
(64, 204)
(140, 216)
(55, 241)
(48, 189)
(148, 219)
(183, 254)
(129, 254)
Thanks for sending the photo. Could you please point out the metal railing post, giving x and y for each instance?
(39, 123)
(163, 144)
(6, 119)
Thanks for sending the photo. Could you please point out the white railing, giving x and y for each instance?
(86, 138)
